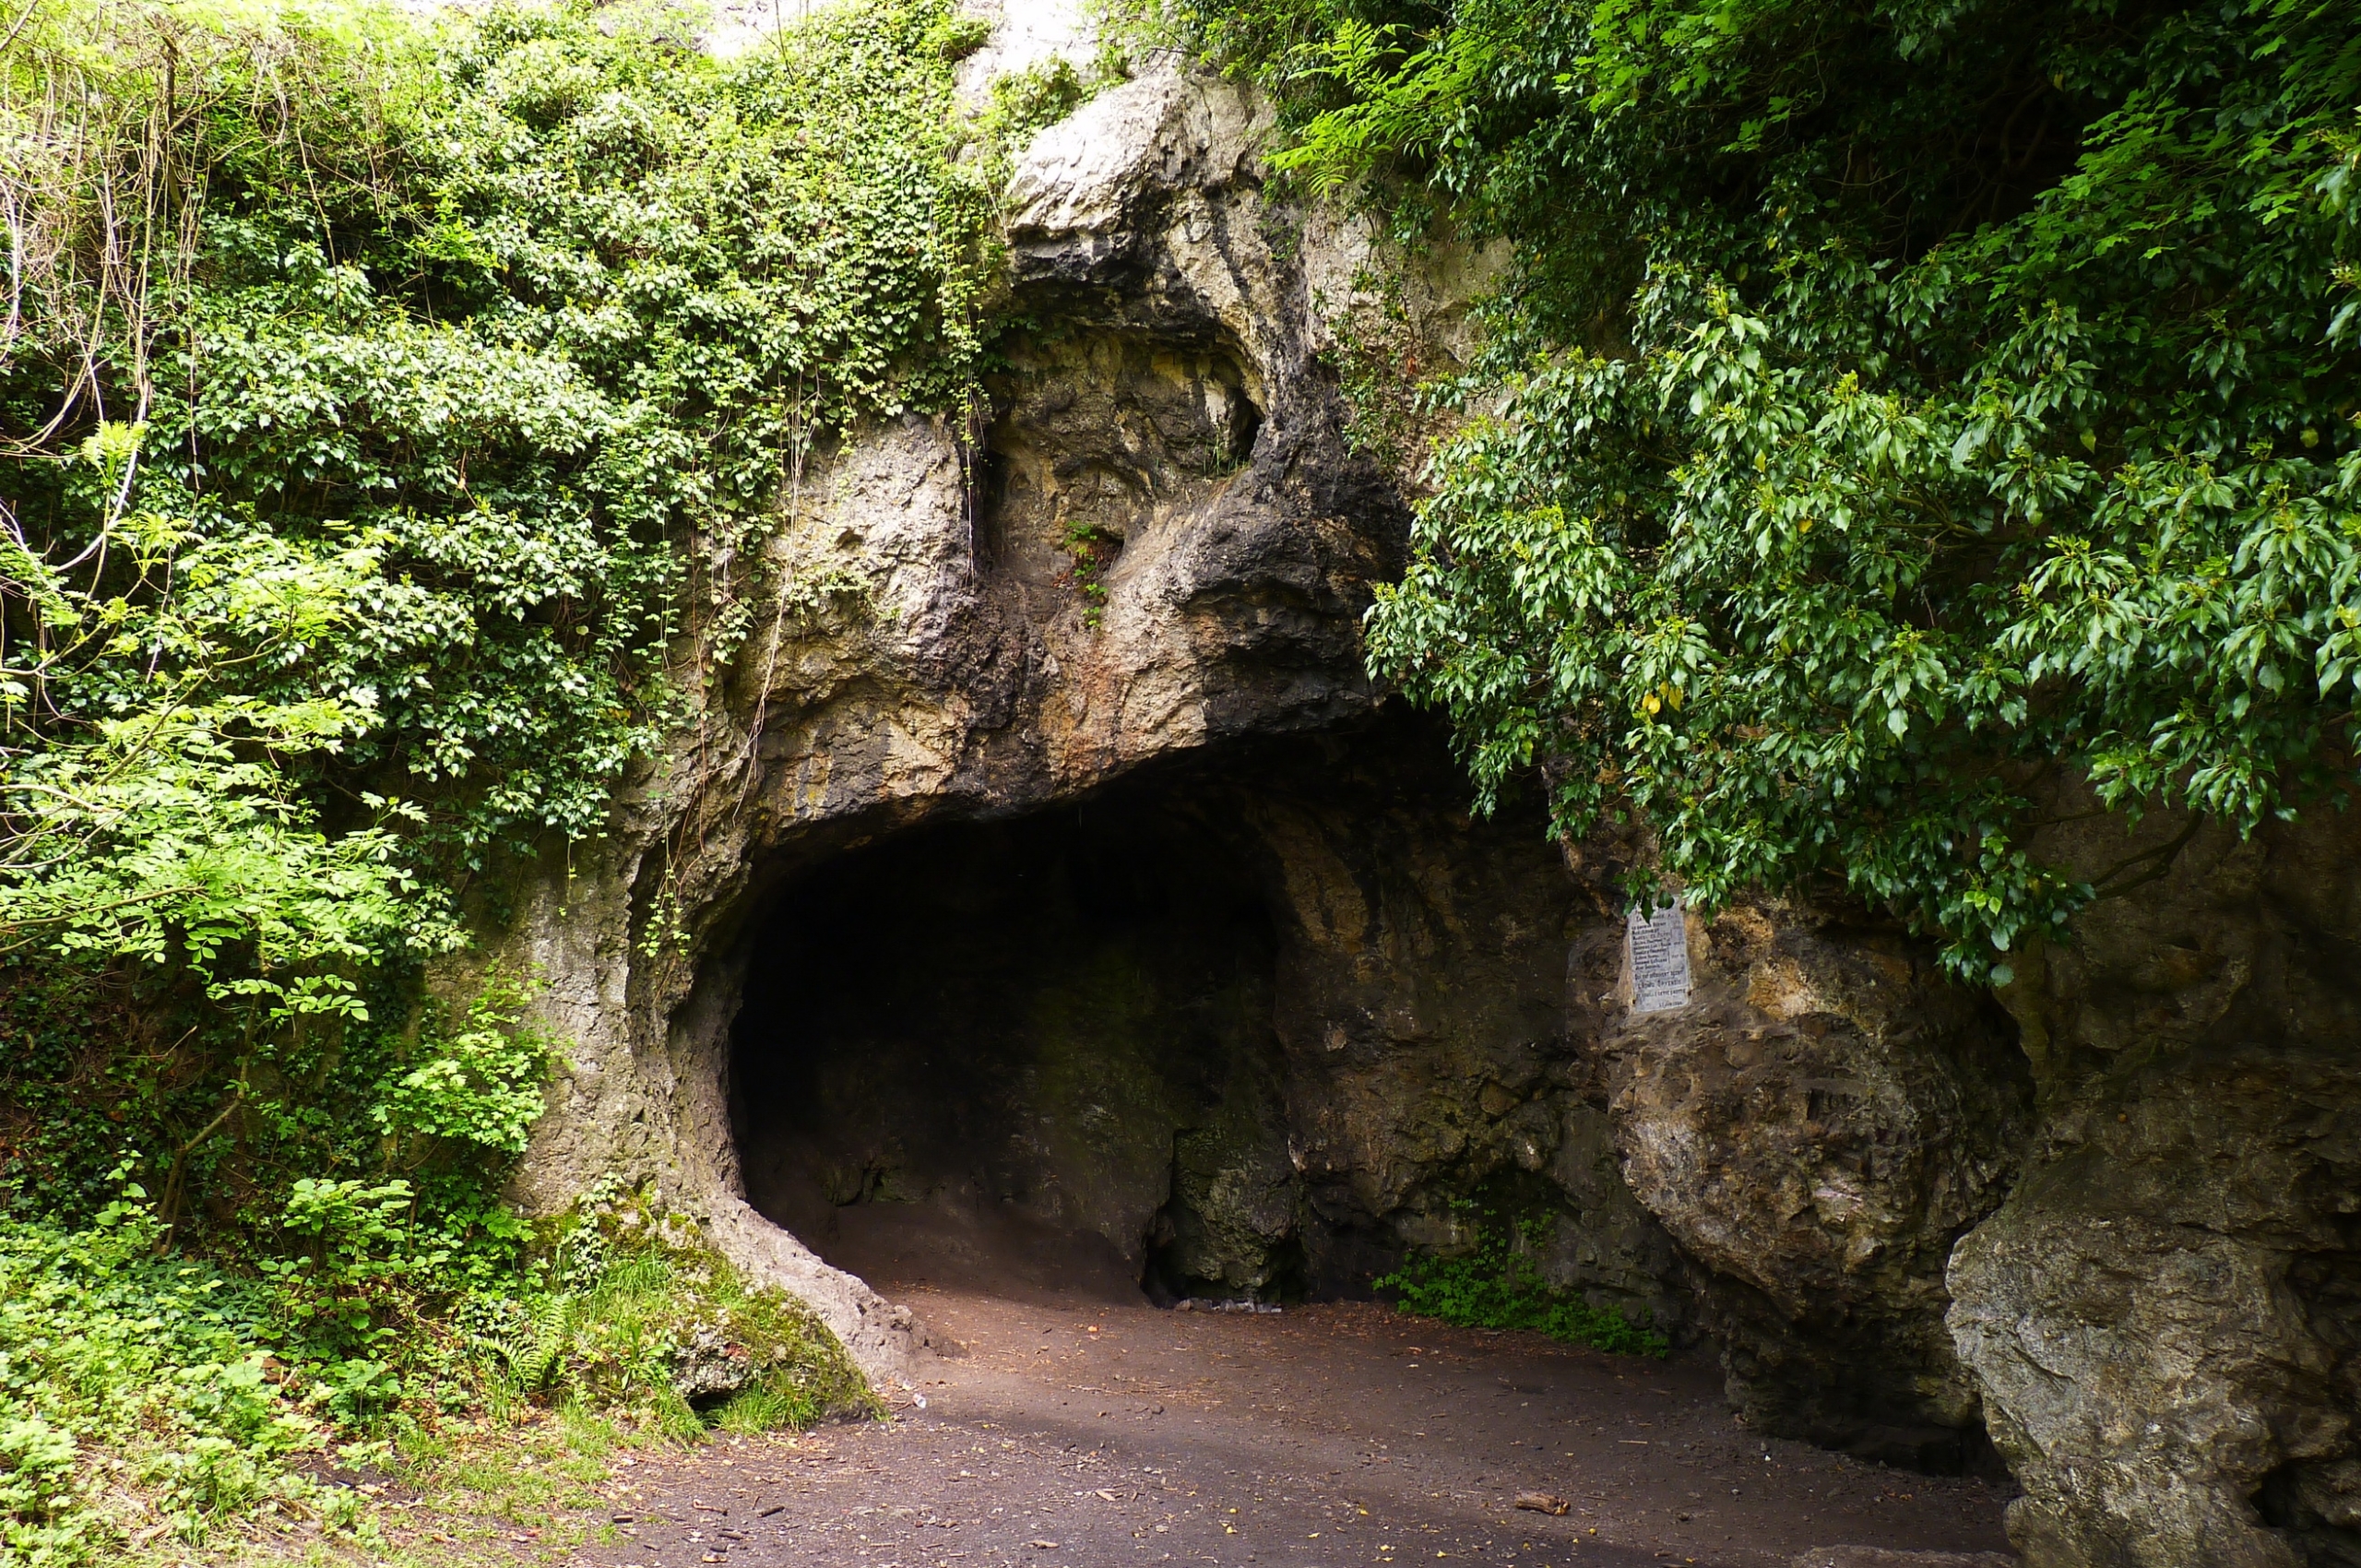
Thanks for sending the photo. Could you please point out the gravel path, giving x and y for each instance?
(1076, 1433)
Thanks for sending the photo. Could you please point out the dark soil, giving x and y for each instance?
(1078, 1432)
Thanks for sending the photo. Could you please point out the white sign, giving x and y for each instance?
(1659, 947)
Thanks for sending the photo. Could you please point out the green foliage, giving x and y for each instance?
(490, 351)
(347, 1290)
(1024, 103)
(1092, 550)
(1904, 409)
(157, 816)
(371, 438)
(481, 1083)
(631, 1314)
(367, 442)
(1494, 1284)
(36, 1489)
(134, 1383)
(1379, 354)
(392, 413)
(122, 1371)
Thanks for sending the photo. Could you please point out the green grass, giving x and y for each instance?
(154, 1410)
(1493, 1284)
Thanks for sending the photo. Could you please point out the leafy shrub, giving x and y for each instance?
(1021, 105)
(36, 1491)
(479, 1084)
(373, 442)
(1897, 408)
(134, 1382)
(1494, 1284)
(113, 1355)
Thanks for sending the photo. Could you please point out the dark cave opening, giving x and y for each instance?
(1021, 1055)
(1258, 1022)
(1251, 1022)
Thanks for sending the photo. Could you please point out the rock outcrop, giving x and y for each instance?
(1161, 545)
(1816, 1129)
(1270, 1009)
(2165, 1315)
(1154, 556)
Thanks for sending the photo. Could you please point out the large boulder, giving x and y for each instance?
(2165, 1316)
(1815, 1128)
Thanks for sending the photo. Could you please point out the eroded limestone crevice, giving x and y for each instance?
(1108, 459)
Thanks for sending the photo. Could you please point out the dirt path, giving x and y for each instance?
(1077, 1434)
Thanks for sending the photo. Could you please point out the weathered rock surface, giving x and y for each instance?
(2165, 1316)
(1298, 1011)
(1155, 558)
(708, 1366)
(1173, 426)
(1422, 1005)
(1819, 1125)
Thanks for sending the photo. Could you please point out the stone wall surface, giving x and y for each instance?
(1816, 1129)
(2115, 1222)
(2165, 1315)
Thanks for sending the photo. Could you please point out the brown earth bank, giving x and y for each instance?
(1077, 1431)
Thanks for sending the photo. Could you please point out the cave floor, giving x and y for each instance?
(1077, 1433)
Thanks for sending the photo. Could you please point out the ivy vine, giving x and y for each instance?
(391, 414)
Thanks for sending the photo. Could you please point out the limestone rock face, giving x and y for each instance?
(1420, 1005)
(1816, 1129)
(1262, 1007)
(2165, 1315)
(1276, 1056)
(1160, 544)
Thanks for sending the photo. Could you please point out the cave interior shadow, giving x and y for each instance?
(1015, 1055)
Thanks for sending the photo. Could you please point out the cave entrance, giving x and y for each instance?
(1035, 1055)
